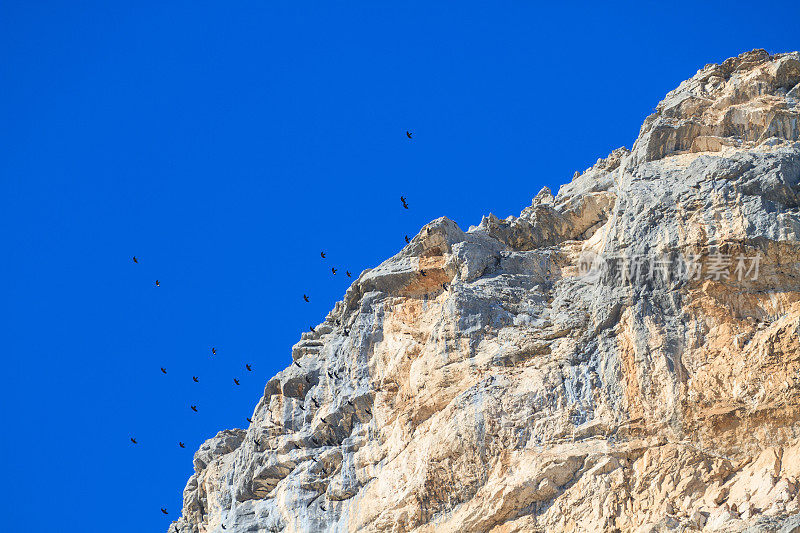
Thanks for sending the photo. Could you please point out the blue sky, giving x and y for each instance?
(225, 144)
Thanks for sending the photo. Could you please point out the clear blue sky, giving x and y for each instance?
(225, 144)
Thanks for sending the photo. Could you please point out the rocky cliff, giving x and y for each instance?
(623, 356)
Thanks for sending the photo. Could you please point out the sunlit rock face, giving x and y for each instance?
(623, 356)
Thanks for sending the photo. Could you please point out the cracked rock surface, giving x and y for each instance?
(511, 389)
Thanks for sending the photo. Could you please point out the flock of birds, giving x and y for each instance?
(249, 368)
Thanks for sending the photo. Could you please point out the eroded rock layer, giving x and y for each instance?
(623, 356)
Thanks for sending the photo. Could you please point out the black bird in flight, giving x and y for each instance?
(407, 239)
(182, 445)
(330, 375)
(163, 370)
(311, 328)
(368, 411)
(409, 134)
(351, 403)
(194, 408)
(313, 459)
(249, 419)
(305, 297)
(348, 273)
(322, 254)
(249, 368)
(444, 285)
(213, 351)
(298, 364)
(256, 442)
(134, 440)
(223, 526)
(423, 272)
(403, 199)
(164, 511)
(135, 260)
(315, 402)
(323, 420)
(194, 378)
(157, 284)
(333, 270)
(301, 407)
(236, 381)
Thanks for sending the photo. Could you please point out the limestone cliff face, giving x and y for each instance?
(623, 356)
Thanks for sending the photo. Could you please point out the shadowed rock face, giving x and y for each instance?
(532, 393)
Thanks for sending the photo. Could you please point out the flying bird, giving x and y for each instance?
(323, 420)
(311, 328)
(444, 285)
(409, 134)
(298, 364)
(422, 272)
(194, 408)
(407, 239)
(194, 378)
(348, 273)
(249, 368)
(256, 442)
(249, 419)
(333, 270)
(135, 260)
(305, 297)
(403, 199)
(134, 440)
(213, 351)
(315, 402)
(236, 381)
(322, 254)
(313, 459)
(164, 511)
(301, 407)
(163, 370)
(223, 526)
(368, 411)
(182, 445)
(157, 284)
(351, 403)
(330, 375)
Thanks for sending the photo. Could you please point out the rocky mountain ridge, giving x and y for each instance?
(623, 356)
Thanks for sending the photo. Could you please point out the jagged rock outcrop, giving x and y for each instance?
(586, 366)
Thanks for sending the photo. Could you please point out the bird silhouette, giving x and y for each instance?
(322, 254)
(135, 260)
(236, 381)
(330, 375)
(444, 286)
(313, 459)
(157, 284)
(407, 239)
(403, 199)
(213, 351)
(333, 270)
(163, 370)
(368, 411)
(315, 402)
(298, 364)
(249, 419)
(323, 420)
(409, 134)
(134, 440)
(164, 511)
(423, 272)
(182, 445)
(301, 407)
(223, 526)
(194, 378)
(257, 443)
(305, 297)
(194, 408)
(322, 507)
(350, 403)
(311, 328)
(249, 368)
(348, 273)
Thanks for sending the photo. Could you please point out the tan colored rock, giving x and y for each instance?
(537, 390)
